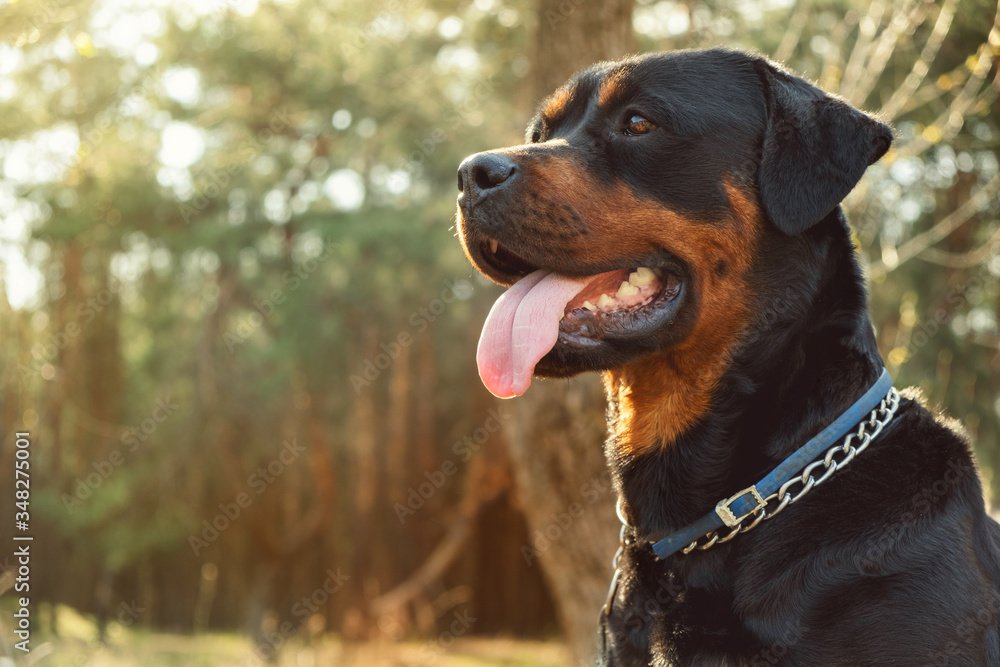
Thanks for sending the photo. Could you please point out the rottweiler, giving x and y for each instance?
(674, 220)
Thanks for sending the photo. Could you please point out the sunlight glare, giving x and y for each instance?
(44, 158)
(181, 145)
(23, 282)
(345, 189)
(183, 85)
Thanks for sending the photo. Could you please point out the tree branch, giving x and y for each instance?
(795, 25)
(962, 260)
(950, 223)
(904, 20)
(485, 482)
(950, 122)
(430, 571)
(920, 68)
(831, 77)
(867, 28)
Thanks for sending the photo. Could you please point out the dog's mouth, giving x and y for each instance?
(546, 312)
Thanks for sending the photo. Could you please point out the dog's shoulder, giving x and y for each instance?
(936, 442)
(921, 467)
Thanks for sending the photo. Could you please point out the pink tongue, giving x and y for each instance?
(521, 328)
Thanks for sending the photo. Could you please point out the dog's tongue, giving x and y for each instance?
(521, 328)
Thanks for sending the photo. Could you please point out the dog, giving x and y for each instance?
(674, 220)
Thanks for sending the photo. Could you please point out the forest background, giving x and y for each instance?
(237, 324)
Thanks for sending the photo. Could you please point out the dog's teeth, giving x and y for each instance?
(642, 277)
(627, 289)
(494, 245)
(589, 306)
(605, 301)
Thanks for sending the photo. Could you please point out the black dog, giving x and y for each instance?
(674, 221)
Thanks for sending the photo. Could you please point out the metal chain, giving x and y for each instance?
(624, 539)
(867, 431)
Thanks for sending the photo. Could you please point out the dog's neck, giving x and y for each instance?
(808, 356)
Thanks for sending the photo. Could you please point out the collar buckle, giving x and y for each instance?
(729, 517)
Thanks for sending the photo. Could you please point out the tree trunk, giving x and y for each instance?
(555, 438)
(557, 431)
(572, 35)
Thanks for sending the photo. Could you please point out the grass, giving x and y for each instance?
(130, 647)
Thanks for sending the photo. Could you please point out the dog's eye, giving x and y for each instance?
(639, 125)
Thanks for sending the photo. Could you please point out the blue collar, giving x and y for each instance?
(730, 512)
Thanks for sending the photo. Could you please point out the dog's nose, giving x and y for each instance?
(483, 173)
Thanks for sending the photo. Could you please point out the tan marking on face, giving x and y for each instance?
(609, 92)
(612, 88)
(661, 397)
(556, 105)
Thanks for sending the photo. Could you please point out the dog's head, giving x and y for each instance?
(630, 219)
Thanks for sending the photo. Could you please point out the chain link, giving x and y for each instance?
(836, 458)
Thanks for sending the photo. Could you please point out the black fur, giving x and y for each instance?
(893, 561)
(815, 150)
(709, 105)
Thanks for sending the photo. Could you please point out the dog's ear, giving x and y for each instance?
(815, 150)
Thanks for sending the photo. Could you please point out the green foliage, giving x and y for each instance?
(261, 201)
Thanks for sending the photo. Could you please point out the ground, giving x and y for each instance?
(128, 647)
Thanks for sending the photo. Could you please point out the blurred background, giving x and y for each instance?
(237, 325)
